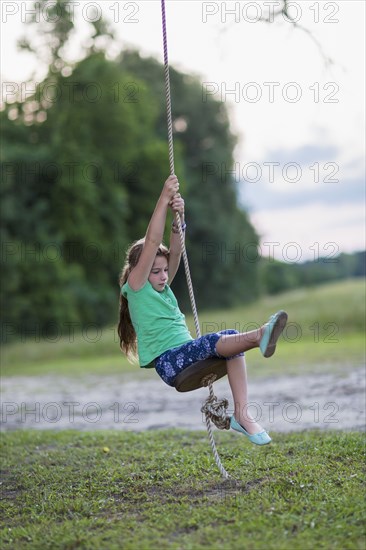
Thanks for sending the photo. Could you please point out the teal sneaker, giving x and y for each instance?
(272, 332)
(260, 438)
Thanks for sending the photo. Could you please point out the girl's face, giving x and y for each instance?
(158, 277)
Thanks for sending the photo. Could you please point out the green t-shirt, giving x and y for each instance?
(158, 322)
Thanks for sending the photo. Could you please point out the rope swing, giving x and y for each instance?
(213, 409)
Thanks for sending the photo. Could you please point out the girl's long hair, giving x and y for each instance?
(126, 331)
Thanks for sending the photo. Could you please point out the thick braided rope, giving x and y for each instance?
(211, 397)
(216, 411)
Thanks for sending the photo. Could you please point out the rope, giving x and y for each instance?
(211, 404)
(216, 411)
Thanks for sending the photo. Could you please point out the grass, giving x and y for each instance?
(161, 489)
(326, 328)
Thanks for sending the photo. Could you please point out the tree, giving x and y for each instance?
(84, 160)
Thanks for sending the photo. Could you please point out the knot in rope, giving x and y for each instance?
(215, 409)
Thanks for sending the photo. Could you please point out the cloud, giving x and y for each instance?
(308, 232)
(306, 155)
(301, 177)
(257, 197)
(310, 205)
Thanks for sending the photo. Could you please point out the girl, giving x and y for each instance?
(151, 319)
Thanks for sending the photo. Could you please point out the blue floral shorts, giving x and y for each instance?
(172, 362)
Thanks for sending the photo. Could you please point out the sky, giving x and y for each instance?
(299, 159)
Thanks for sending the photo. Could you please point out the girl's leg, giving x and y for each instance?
(237, 375)
(232, 344)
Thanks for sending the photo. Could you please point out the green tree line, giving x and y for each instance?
(278, 276)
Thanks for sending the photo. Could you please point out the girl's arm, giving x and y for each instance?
(175, 250)
(154, 235)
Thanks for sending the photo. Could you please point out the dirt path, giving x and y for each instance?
(326, 401)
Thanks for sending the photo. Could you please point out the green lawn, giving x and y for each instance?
(117, 490)
(161, 489)
(326, 330)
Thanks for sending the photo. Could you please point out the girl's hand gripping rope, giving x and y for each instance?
(170, 189)
(177, 204)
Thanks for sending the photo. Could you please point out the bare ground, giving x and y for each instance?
(282, 403)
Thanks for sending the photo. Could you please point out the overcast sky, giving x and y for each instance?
(300, 121)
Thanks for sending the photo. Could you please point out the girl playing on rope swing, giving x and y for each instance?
(149, 313)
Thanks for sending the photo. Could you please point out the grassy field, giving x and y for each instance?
(112, 491)
(326, 330)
